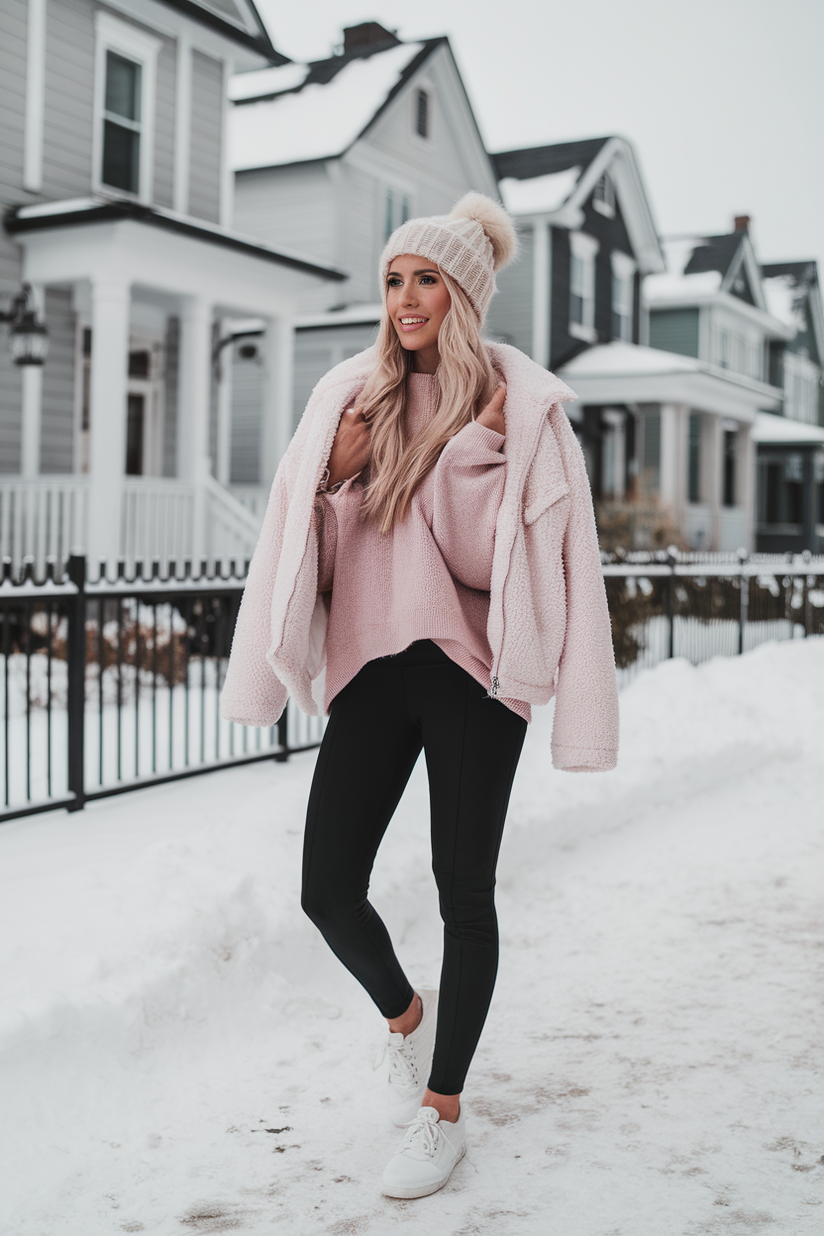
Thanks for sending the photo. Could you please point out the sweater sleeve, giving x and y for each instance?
(469, 486)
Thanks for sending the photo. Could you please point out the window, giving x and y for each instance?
(603, 196)
(121, 124)
(694, 458)
(125, 68)
(623, 296)
(397, 211)
(582, 286)
(422, 113)
(802, 381)
(781, 490)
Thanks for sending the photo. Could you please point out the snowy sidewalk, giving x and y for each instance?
(180, 1053)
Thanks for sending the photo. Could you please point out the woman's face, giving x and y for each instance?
(418, 300)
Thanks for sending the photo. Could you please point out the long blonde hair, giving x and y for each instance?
(467, 380)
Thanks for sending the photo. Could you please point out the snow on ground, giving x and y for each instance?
(180, 1052)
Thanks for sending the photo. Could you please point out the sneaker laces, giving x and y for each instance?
(403, 1065)
(424, 1133)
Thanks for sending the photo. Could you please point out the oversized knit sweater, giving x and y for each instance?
(429, 577)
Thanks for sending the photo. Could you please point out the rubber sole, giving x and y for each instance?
(423, 1190)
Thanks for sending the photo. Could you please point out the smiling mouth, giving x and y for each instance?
(410, 323)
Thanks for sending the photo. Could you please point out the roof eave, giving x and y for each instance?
(117, 210)
(260, 43)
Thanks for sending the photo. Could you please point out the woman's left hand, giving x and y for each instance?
(492, 416)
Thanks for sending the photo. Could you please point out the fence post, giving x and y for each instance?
(743, 599)
(670, 604)
(283, 736)
(76, 654)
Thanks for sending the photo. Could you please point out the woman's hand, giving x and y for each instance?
(492, 416)
(352, 449)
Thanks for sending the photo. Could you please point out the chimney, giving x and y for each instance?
(367, 34)
(742, 223)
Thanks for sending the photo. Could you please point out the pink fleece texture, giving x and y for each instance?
(548, 626)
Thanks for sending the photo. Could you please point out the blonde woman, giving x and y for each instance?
(430, 541)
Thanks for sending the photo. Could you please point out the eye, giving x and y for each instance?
(394, 281)
(427, 278)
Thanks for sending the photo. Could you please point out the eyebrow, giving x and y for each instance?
(427, 271)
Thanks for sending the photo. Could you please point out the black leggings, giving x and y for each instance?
(377, 726)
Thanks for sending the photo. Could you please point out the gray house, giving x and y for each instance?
(117, 194)
(790, 447)
(329, 158)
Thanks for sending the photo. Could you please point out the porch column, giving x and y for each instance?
(714, 437)
(223, 445)
(32, 401)
(193, 460)
(276, 412)
(672, 458)
(107, 416)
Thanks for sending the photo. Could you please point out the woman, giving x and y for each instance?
(430, 539)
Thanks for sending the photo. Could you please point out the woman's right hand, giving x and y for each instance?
(352, 448)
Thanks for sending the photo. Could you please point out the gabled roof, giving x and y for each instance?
(299, 113)
(554, 182)
(238, 20)
(793, 295)
(700, 268)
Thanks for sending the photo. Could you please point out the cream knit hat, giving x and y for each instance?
(470, 244)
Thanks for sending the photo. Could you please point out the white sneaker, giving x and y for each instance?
(410, 1062)
(426, 1157)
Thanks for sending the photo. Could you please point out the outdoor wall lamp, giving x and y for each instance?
(29, 333)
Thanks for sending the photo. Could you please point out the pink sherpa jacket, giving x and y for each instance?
(548, 628)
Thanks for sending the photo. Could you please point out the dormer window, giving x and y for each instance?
(603, 196)
(423, 113)
(125, 70)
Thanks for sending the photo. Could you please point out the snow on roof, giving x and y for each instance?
(318, 121)
(620, 357)
(539, 193)
(673, 283)
(769, 428)
(781, 293)
(267, 81)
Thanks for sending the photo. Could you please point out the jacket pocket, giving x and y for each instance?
(546, 482)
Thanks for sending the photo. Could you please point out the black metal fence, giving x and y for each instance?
(113, 684)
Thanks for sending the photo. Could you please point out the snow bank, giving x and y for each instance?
(173, 1055)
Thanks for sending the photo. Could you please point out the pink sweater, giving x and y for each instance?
(427, 579)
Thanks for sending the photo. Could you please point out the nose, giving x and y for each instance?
(410, 295)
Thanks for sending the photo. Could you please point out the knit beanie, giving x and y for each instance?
(470, 243)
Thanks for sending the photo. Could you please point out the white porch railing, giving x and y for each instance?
(42, 517)
(47, 517)
(232, 528)
(157, 518)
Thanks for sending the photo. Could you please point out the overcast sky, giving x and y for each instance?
(722, 99)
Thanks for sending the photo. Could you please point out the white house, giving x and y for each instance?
(117, 188)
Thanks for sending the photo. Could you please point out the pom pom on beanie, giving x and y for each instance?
(476, 239)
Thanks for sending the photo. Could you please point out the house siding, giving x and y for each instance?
(164, 135)
(69, 100)
(510, 314)
(288, 207)
(57, 408)
(316, 351)
(206, 135)
(674, 330)
(564, 346)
